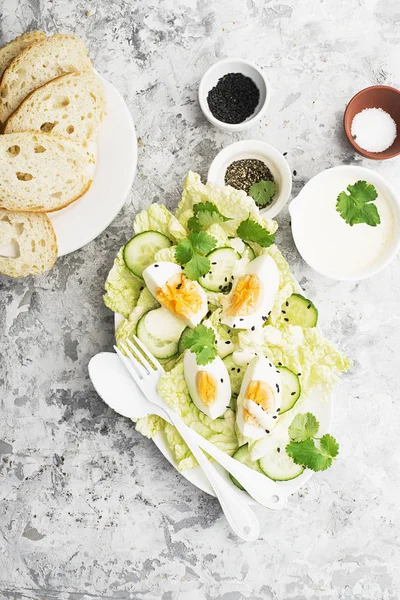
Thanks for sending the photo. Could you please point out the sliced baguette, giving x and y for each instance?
(38, 64)
(13, 48)
(41, 172)
(72, 105)
(32, 241)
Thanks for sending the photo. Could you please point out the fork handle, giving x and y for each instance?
(238, 514)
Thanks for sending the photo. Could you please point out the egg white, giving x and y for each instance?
(267, 271)
(157, 275)
(219, 372)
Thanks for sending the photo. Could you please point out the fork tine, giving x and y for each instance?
(128, 365)
(133, 360)
(147, 353)
(149, 368)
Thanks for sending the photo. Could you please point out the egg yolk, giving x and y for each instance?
(245, 297)
(181, 296)
(260, 393)
(206, 387)
(250, 419)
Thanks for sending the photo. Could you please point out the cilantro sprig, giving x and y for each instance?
(191, 251)
(262, 192)
(205, 214)
(355, 206)
(201, 341)
(302, 447)
(251, 231)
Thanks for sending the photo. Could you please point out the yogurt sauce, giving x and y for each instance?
(323, 237)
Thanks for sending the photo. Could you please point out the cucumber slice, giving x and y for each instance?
(277, 465)
(160, 331)
(185, 332)
(140, 250)
(242, 454)
(222, 261)
(297, 310)
(248, 252)
(236, 374)
(291, 389)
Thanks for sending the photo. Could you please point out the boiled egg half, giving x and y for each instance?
(259, 400)
(253, 294)
(183, 297)
(209, 385)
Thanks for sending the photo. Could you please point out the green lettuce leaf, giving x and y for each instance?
(158, 218)
(122, 287)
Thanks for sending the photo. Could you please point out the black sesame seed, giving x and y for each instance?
(253, 328)
(232, 277)
(228, 407)
(227, 342)
(269, 313)
(208, 315)
(285, 154)
(141, 289)
(274, 417)
(226, 279)
(287, 303)
(278, 449)
(267, 431)
(293, 393)
(277, 387)
(309, 306)
(209, 272)
(264, 318)
(213, 263)
(278, 372)
(238, 370)
(222, 381)
(220, 287)
(233, 326)
(270, 364)
(278, 410)
(232, 368)
(241, 319)
(284, 312)
(286, 319)
(295, 173)
(298, 374)
(178, 287)
(229, 330)
(155, 266)
(280, 364)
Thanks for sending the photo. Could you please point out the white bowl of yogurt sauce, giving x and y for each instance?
(327, 243)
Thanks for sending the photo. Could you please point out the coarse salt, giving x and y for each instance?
(373, 129)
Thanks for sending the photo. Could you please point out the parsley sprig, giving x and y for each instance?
(251, 231)
(303, 449)
(355, 207)
(262, 192)
(191, 253)
(201, 341)
(205, 214)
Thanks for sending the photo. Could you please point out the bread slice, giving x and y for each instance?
(72, 105)
(13, 48)
(29, 242)
(41, 172)
(38, 64)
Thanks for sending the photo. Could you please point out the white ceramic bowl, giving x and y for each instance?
(234, 65)
(333, 181)
(274, 160)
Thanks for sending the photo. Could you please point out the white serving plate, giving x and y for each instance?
(116, 157)
(321, 408)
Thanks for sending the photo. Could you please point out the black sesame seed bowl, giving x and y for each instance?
(234, 94)
(276, 165)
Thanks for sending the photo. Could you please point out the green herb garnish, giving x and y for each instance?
(251, 231)
(355, 207)
(303, 449)
(205, 214)
(190, 252)
(201, 341)
(262, 192)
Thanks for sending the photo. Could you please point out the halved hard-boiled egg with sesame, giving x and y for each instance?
(259, 400)
(253, 294)
(209, 385)
(173, 290)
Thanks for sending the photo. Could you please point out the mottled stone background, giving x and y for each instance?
(90, 509)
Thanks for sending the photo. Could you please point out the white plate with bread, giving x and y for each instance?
(68, 152)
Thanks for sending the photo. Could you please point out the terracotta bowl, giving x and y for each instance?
(376, 96)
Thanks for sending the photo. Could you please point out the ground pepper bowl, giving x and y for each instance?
(376, 96)
(234, 65)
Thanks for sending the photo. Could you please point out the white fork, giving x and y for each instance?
(238, 514)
